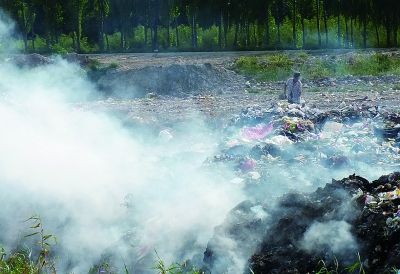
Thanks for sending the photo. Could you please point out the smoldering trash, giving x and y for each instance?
(287, 226)
(250, 194)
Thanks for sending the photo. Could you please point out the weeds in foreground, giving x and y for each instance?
(326, 270)
(22, 261)
(356, 268)
(175, 268)
(46, 241)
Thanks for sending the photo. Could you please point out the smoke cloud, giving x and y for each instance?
(111, 192)
(332, 236)
(99, 187)
(6, 31)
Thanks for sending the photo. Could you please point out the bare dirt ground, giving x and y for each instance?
(220, 108)
(325, 94)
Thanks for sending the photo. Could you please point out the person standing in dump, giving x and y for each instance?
(293, 89)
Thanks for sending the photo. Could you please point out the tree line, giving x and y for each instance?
(235, 24)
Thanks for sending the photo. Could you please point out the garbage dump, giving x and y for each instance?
(368, 217)
(281, 155)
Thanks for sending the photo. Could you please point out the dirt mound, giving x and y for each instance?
(30, 60)
(175, 79)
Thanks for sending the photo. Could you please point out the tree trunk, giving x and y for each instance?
(235, 39)
(395, 37)
(326, 24)
(248, 38)
(267, 33)
(151, 36)
(25, 38)
(279, 36)
(346, 19)
(193, 31)
(226, 28)
(176, 34)
(242, 34)
(339, 34)
(377, 35)
(122, 44)
(304, 32)
(294, 25)
(107, 42)
(255, 35)
(73, 40)
(365, 31)
(145, 36)
(168, 36)
(388, 44)
(168, 30)
(155, 37)
(352, 32)
(101, 30)
(78, 26)
(318, 24)
(155, 25)
(220, 31)
(33, 37)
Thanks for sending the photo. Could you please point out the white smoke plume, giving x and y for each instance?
(99, 187)
(333, 236)
(106, 190)
(6, 31)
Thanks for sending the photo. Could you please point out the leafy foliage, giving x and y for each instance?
(142, 25)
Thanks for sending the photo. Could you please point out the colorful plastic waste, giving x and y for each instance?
(258, 132)
(247, 165)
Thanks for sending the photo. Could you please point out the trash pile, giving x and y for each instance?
(371, 210)
(308, 145)
(287, 150)
(358, 221)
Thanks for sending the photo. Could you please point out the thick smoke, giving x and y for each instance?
(102, 189)
(106, 190)
(6, 30)
(76, 168)
(333, 236)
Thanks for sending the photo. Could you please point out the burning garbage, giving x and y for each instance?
(288, 146)
(331, 225)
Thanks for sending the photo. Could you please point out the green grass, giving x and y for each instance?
(17, 263)
(272, 67)
(277, 67)
(22, 261)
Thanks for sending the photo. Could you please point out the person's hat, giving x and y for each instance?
(296, 73)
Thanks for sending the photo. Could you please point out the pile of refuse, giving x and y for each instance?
(279, 154)
(348, 223)
(367, 212)
(308, 145)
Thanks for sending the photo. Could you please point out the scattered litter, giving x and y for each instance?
(165, 135)
(258, 132)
